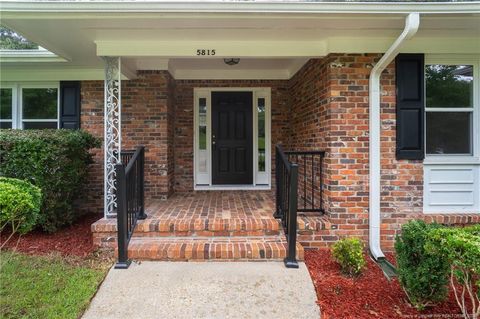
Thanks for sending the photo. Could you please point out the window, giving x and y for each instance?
(6, 105)
(202, 139)
(202, 123)
(29, 106)
(452, 138)
(261, 134)
(449, 91)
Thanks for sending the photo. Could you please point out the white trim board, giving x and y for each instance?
(202, 179)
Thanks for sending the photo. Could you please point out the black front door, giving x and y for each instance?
(232, 149)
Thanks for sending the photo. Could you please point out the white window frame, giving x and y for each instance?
(17, 101)
(261, 180)
(13, 87)
(474, 157)
(446, 174)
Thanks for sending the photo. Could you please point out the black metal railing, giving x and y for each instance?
(310, 179)
(286, 175)
(130, 199)
(125, 156)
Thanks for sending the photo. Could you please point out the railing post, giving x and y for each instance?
(141, 213)
(321, 183)
(122, 231)
(278, 184)
(291, 259)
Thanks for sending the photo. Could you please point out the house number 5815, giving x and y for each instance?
(205, 52)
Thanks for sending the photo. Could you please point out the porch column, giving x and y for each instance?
(112, 131)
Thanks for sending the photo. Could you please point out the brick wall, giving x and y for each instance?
(147, 119)
(184, 121)
(91, 120)
(330, 112)
(309, 120)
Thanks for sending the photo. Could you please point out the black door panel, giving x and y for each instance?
(232, 134)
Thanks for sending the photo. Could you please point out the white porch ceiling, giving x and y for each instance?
(272, 44)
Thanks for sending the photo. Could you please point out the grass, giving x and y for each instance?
(47, 286)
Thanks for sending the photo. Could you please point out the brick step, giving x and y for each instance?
(208, 227)
(269, 248)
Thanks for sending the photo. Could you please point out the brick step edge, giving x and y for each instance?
(202, 249)
(172, 225)
(207, 233)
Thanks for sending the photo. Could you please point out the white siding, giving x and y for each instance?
(451, 188)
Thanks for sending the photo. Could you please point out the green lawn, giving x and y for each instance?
(48, 286)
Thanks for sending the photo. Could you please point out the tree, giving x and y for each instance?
(11, 40)
(449, 86)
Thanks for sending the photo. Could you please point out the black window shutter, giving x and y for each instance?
(410, 106)
(70, 105)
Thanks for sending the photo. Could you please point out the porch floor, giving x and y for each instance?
(213, 225)
(213, 212)
(215, 204)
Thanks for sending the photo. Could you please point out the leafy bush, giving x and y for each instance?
(461, 248)
(348, 252)
(20, 204)
(423, 274)
(54, 160)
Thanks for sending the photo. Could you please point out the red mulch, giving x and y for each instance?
(73, 240)
(369, 296)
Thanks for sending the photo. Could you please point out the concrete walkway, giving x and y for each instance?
(206, 290)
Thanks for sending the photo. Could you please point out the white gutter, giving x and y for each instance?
(411, 26)
(36, 55)
(181, 6)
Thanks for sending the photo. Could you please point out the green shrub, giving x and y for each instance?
(54, 160)
(423, 274)
(20, 204)
(348, 253)
(461, 248)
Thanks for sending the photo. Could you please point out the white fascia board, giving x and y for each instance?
(283, 49)
(182, 49)
(426, 45)
(240, 6)
(25, 56)
(212, 74)
(53, 74)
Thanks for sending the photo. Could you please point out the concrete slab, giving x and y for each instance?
(206, 290)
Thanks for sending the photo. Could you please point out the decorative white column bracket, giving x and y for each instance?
(112, 132)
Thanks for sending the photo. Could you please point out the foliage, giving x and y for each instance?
(11, 40)
(54, 160)
(46, 287)
(445, 88)
(20, 203)
(348, 252)
(422, 274)
(39, 103)
(461, 247)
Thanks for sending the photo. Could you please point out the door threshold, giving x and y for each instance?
(230, 187)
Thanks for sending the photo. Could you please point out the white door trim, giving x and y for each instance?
(202, 174)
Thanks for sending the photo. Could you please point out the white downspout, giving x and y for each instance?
(411, 26)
